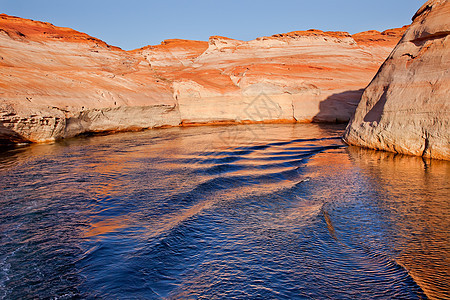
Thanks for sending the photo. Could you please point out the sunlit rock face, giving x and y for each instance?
(56, 82)
(300, 76)
(406, 107)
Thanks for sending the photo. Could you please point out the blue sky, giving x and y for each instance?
(131, 24)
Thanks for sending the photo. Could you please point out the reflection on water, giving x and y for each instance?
(258, 211)
(418, 191)
(104, 227)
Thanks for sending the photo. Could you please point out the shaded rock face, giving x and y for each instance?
(406, 108)
(56, 82)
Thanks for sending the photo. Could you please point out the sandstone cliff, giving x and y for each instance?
(300, 76)
(56, 82)
(406, 107)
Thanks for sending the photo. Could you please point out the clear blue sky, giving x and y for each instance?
(131, 24)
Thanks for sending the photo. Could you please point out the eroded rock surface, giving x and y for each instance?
(406, 108)
(56, 82)
(300, 76)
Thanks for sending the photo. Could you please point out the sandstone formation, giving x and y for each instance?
(406, 108)
(56, 82)
(300, 76)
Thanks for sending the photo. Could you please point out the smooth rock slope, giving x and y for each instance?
(406, 108)
(300, 76)
(56, 82)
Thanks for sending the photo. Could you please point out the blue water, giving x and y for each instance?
(235, 212)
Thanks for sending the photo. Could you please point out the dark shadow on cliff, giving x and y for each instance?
(10, 151)
(8, 137)
(377, 110)
(339, 108)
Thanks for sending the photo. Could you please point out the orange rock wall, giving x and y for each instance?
(56, 82)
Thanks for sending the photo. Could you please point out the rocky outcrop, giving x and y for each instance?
(300, 76)
(56, 82)
(406, 107)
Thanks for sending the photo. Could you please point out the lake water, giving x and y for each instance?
(234, 212)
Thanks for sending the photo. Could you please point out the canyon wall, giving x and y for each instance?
(300, 76)
(406, 108)
(56, 82)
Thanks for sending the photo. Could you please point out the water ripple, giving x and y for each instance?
(275, 212)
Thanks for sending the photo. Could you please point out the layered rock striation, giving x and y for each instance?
(406, 108)
(56, 82)
(300, 76)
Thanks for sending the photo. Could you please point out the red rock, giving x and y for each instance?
(310, 75)
(57, 82)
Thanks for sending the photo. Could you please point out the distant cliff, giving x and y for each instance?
(406, 108)
(56, 82)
